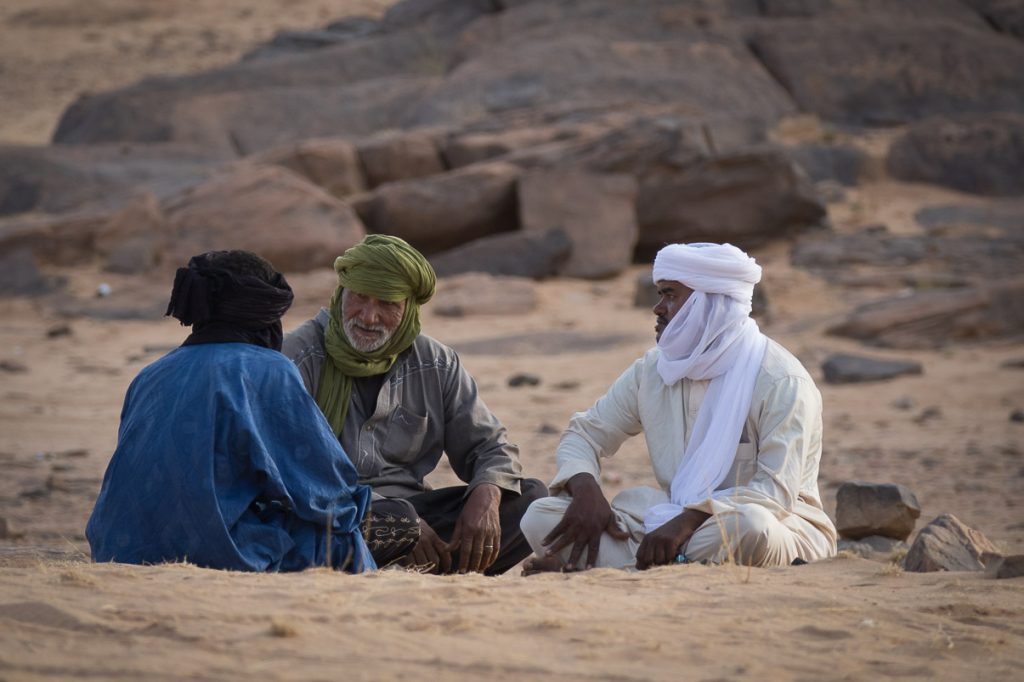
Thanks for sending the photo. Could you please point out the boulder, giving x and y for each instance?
(746, 199)
(562, 72)
(1006, 566)
(133, 240)
(20, 276)
(865, 509)
(977, 153)
(871, 245)
(62, 179)
(65, 239)
(291, 42)
(872, 69)
(331, 163)
(1004, 15)
(946, 544)
(468, 148)
(841, 368)
(268, 210)
(443, 211)
(391, 156)
(360, 86)
(595, 211)
(477, 293)
(930, 319)
(1004, 215)
(536, 255)
(840, 163)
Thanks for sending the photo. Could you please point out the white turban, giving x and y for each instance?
(711, 337)
(711, 268)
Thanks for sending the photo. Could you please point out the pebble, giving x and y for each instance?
(523, 379)
(1017, 416)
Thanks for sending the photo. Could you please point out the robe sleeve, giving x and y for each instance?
(601, 430)
(789, 435)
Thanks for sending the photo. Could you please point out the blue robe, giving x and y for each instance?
(223, 459)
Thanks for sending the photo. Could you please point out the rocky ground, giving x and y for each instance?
(553, 145)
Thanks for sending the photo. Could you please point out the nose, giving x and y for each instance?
(370, 313)
(659, 307)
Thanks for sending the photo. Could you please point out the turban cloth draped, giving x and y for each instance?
(223, 306)
(383, 267)
(711, 337)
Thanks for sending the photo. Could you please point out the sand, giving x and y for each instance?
(946, 434)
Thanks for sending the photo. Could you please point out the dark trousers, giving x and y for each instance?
(440, 509)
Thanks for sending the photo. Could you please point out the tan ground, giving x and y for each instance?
(843, 619)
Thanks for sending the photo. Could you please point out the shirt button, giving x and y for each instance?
(369, 427)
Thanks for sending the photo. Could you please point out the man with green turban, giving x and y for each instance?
(397, 400)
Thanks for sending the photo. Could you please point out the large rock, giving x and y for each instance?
(20, 276)
(65, 239)
(946, 544)
(866, 509)
(135, 238)
(841, 163)
(330, 163)
(443, 211)
(596, 211)
(60, 179)
(359, 87)
(535, 255)
(881, 70)
(1006, 566)
(264, 209)
(930, 319)
(1005, 15)
(745, 199)
(472, 147)
(842, 368)
(980, 153)
(571, 71)
(392, 156)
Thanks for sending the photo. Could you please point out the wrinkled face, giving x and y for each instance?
(369, 322)
(671, 297)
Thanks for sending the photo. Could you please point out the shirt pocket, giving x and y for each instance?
(744, 465)
(404, 438)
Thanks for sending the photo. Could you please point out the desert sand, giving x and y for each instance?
(945, 434)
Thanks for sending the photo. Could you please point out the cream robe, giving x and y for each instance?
(774, 475)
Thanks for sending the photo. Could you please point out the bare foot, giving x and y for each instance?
(545, 564)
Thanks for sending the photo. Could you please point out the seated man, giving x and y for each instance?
(733, 428)
(397, 399)
(222, 457)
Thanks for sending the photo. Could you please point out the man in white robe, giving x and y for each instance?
(733, 428)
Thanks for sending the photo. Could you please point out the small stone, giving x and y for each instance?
(1014, 364)
(928, 413)
(103, 290)
(947, 544)
(570, 385)
(1017, 416)
(523, 379)
(12, 366)
(866, 509)
(1006, 566)
(548, 429)
(903, 403)
(841, 368)
(59, 330)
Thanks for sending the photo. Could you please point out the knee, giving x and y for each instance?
(754, 527)
(540, 518)
(532, 490)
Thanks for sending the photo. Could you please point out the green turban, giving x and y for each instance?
(383, 267)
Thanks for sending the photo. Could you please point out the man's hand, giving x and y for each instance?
(430, 552)
(477, 535)
(662, 545)
(588, 516)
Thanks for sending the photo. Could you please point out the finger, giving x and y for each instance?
(555, 532)
(592, 548)
(430, 558)
(444, 558)
(614, 530)
(642, 561)
(659, 554)
(465, 554)
(491, 555)
(566, 539)
(476, 561)
(456, 540)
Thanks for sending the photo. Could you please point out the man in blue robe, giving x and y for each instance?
(223, 459)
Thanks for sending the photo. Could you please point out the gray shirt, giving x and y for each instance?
(427, 405)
